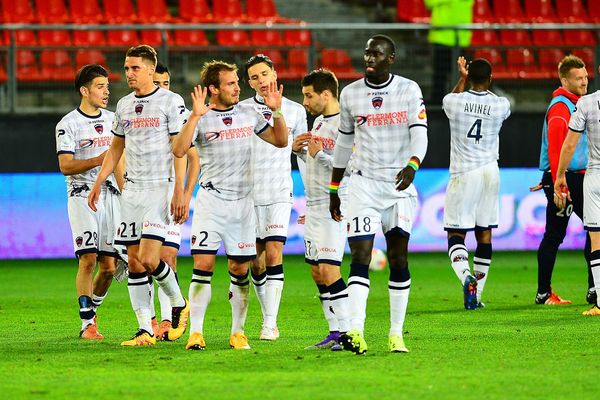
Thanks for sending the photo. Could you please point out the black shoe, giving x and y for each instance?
(591, 296)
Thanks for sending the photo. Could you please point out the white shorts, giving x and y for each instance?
(173, 238)
(145, 213)
(472, 200)
(324, 237)
(373, 204)
(229, 221)
(591, 202)
(93, 232)
(272, 222)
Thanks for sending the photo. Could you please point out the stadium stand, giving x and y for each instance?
(86, 12)
(227, 11)
(52, 12)
(56, 65)
(195, 11)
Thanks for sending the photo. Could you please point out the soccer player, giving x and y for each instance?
(384, 116)
(224, 210)
(145, 122)
(476, 116)
(574, 81)
(82, 139)
(272, 194)
(324, 238)
(170, 248)
(584, 120)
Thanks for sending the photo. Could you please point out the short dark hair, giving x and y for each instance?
(209, 74)
(144, 51)
(87, 74)
(257, 59)
(386, 38)
(568, 63)
(321, 80)
(480, 71)
(161, 68)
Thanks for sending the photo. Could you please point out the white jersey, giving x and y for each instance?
(380, 117)
(272, 165)
(475, 122)
(318, 169)
(587, 118)
(224, 139)
(84, 136)
(147, 124)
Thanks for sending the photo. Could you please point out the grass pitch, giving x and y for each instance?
(511, 349)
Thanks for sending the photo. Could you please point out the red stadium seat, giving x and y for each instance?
(54, 38)
(549, 60)
(232, 38)
(259, 11)
(518, 37)
(266, 38)
(85, 56)
(228, 11)
(119, 11)
(499, 70)
(86, 12)
(57, 65)
(484, 38)
(587, 55)
(571, 11)
(27, 66)
(122, 38)
(482, 11)
(522, 60)
(507, 11)
(412, 11)
(190, 38)
(339, 62)
(154, 37)
(195, 11)
(3, 74)
(153, 11)
(593, 11)
(22, 37)
(547, 38)
(89, 38)
(539, 11)
(17, 11)
(301, 37)
(579, 37)
(51, 11)
(275, 56)
(297, 63)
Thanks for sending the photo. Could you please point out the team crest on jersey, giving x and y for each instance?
(193, 239)
(99, 128)
(210, 136)
(79, 241)
(360, 120)
(139, 108)
(267, 115)
(84, 143)
(377, 102)
(227, 121)
(319, 126)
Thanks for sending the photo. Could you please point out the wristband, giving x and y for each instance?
(333, 187)
(414, 163)
(277, 113)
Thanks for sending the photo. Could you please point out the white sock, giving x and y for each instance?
(338, 297)
(98, 300)
(358, 293)
(273, 291)
(399, 292)
(165, 277)
(258, 281)
(200, 295)
(595, 264)
(152, 293)
(139, 294)
(481, 269)
(239, 290)
(459, 257)
(165, 305)
(327, 307)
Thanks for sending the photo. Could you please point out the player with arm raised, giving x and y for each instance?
(223, 132)
(82, 139)
(272, 193)
(145, 122)
(476, 116)
(384, 116)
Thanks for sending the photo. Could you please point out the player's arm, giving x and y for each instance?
(182, 141)
(561, 191)
(341, 156)
(111, 159)
(179, 209)
(315, 150)
(463, 75)
(120, 173)
(70, 166)
(277, 135)
(299, 145)
(193, 171)
(558, 126)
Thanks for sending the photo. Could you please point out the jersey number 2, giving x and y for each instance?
(475, 131)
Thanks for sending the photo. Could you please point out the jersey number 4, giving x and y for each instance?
(475, 131)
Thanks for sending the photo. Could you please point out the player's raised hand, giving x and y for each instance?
(199, 106)
(315, 145)
(462, 67)
(273, 96)
(93, 197)
(404, 178)
(561, 192)
(301, 141)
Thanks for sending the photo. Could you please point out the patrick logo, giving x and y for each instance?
(139, 108)
(99, 128)
(267, 115)
(377, 102)
(227, 121)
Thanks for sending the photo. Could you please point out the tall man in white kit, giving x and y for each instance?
(476, 116)
(272, 193)
(384, 116)
(145, 122)
(223, 132)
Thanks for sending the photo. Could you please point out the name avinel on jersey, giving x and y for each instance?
(477, 108)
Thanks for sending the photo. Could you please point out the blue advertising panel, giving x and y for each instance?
(34, 221)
